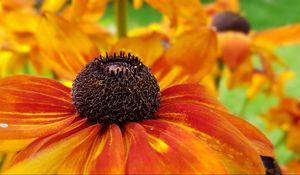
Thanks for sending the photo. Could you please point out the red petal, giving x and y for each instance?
(110, 153)
(30, 103)
(49, 159)
(197, 94)
(181, 151)
(141, 157)
(44, 142)
(261, 142)
(237, 151)
(190, 93)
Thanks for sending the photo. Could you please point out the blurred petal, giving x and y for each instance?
(235, 149)
(171, 143)
(257, 83)
(241, 74)
(109, 154)
(234, 48)
(228, 5)
(27, 23)
(52, 6)
(29, 103)
(88, 10)
(17, 4)
(278, 36)
(57, 153)
(222, 5)
(69, 55)
(148, 47)
(184, 12)
(193, 62)
(293, 167)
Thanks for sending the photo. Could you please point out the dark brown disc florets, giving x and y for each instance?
(116, 89)
(228, 21)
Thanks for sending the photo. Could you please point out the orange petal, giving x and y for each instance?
(181, 12)
(262, 144)
(278, 36)
(234, 48)
(44, 142)
(77, 161)
(57, 153)
(197, 94)
(241, 74)
(147, 47)
(69, 55)
(181, 151)
(109, 156)
(26, 24)
(88, 11)
(29, 103)
(7, 146)
(237, 152)
(293, 167)
(181, 59)
(228, 5)
(190, 93)
(52, 6)
(17, 4)
(141, 157)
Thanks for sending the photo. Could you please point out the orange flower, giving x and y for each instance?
(238, 46)
(236, 42)
(191, 132)
(286, 116)
(293, 167)
(20, 22)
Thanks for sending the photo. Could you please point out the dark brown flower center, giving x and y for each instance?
(116, 89)
(228, 21)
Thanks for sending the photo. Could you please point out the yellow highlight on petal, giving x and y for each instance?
(158, 144)
(68, 83)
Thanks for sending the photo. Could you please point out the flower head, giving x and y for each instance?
(237, 46)
(190, 132)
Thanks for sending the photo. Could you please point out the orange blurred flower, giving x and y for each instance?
(287, 117)
(236, 42)
(20, 22)
(293, 167)
(191, 132)
(238, 45)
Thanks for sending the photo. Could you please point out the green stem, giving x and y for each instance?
(219, 77)
(244, 107)
(120, 7)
